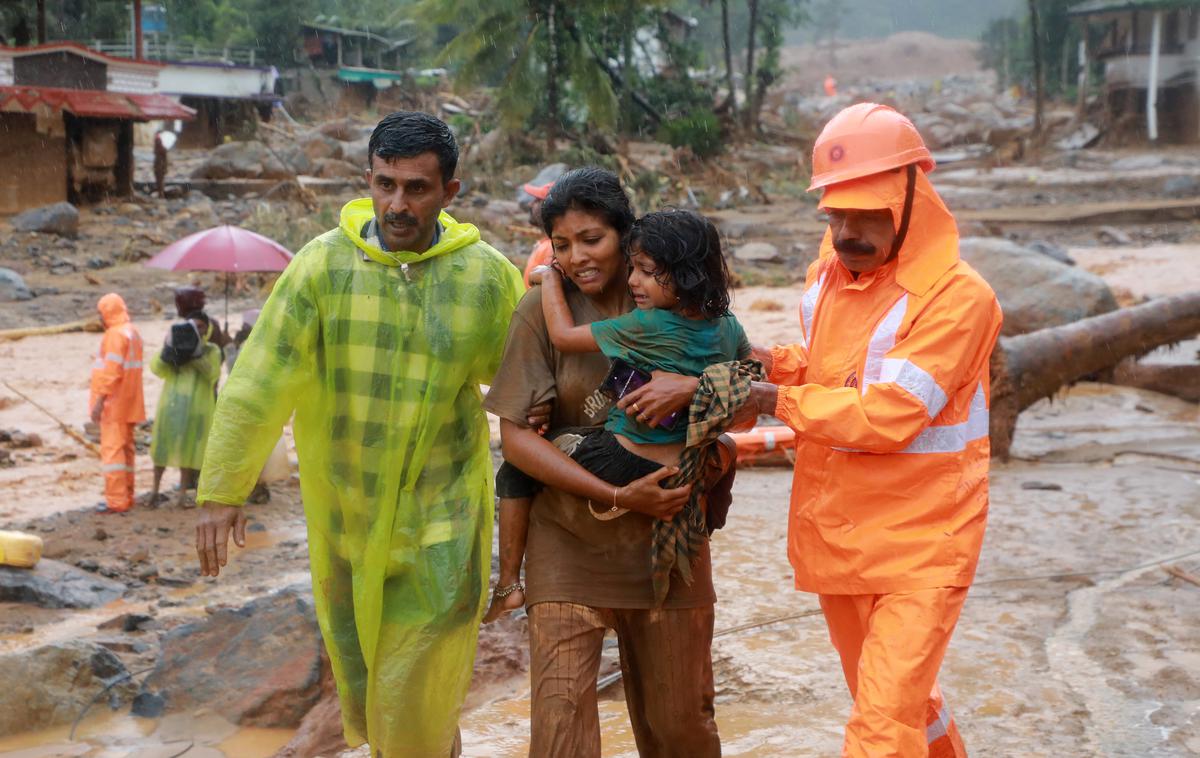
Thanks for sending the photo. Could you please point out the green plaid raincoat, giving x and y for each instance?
(380, 355)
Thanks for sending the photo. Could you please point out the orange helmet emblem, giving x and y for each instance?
(865, 139)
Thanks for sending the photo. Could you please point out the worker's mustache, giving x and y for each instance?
(399, 218)
(852, 246)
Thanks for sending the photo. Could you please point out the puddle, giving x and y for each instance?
(123, 735)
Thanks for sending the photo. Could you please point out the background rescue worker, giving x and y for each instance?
(116, 401)
(378, 335)
(543, 251)
(887, 390)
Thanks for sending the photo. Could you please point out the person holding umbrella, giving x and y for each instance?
(378, 335)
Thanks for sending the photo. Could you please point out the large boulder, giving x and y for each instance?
(1035, 290)
(12, 287)
(242, 160)
(356, 151)
(317, 146)
(52, 584)
(258, 665)
(60, 218)
(51, 685)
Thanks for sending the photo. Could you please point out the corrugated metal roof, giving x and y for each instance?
(1092, 7)
(77, 49)
(93, 103)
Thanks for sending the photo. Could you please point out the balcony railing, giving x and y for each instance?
(156, 50)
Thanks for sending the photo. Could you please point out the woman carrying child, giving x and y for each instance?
(588, 568)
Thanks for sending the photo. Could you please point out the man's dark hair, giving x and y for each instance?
(198, 316)
(686, 249)
(590, 189)
(407, 134)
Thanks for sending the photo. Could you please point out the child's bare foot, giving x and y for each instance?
(512, 599)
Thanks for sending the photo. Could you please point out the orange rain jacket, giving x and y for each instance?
(117, 370)
(888, 393)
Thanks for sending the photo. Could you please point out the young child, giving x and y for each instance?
(680, 284)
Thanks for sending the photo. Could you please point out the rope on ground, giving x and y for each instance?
(61, 424)
(102, 693)
(606, 681)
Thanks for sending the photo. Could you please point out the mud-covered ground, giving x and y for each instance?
(1075, 640)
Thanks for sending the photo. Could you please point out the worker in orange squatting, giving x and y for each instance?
(887, 390)
(116, 401)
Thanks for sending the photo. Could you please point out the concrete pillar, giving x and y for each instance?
(1152, 83)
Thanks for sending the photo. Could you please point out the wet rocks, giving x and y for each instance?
(67, 675)
(258, 665)
(1035, 290)
(60, 218)
(250, 160)
(12, 287)
(52, 584)
(757, 252)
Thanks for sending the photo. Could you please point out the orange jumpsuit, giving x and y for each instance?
(117, 376)
(888, 392)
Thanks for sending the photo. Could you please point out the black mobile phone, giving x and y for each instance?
(624, 378)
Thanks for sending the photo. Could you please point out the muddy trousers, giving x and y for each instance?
(666, 663)
(116, 461)
(891, 648)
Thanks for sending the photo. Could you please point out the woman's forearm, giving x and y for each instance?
(560, 323)
(530, 452)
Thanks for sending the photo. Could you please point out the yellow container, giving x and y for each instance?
(20, 549)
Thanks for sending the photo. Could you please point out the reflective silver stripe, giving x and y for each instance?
(107, 467)
(114, 358)
(939, 728)
(883, 340)
(133, 364)
(916, 381)
(952, 438)
(808, 308)
(98, 363)
(955, 437)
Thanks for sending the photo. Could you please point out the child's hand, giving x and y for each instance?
(540, 273)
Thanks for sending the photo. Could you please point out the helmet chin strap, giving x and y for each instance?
(905, 216)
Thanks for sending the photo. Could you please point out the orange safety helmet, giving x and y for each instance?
(865, 139)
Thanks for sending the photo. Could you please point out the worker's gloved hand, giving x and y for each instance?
(98, 410)
(212, 535)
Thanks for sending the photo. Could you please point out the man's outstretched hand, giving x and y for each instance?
(212, 535)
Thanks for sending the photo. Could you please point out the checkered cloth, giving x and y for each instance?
(724, 388)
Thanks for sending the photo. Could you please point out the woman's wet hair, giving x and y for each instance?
(590, 189)
(686, 249)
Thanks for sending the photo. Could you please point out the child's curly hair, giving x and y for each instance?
(686, 249)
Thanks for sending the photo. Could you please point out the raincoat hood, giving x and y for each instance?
(930, 248)
(356, 213)
(112, 309)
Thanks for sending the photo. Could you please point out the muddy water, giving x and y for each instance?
(1073, 640)
(120, 735)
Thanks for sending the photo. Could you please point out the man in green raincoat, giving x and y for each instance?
(378, 336)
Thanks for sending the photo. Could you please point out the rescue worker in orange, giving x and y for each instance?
(887, 390)
(543, 251)
(116, 401)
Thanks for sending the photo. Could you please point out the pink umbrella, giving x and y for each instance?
(231, 249)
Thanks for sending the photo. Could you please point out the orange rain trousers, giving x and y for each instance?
(891, 648)
(116, 461)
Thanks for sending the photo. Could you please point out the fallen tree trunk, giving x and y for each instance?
(1029, 367)
(1182, 382)
(83, 325)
